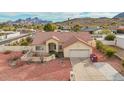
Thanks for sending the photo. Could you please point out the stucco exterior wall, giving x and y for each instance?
(77, 45)
(120, 42)
(92, 43)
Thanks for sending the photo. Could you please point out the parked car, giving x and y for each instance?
(93, 57)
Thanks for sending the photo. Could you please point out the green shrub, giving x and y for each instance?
(24, 43)
(29, 39)
(54, 52)
(110, 37)
(99, 44)
(107, 50)
(110, 51)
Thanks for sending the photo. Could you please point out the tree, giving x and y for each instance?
(110, 37)
(49, 27)
(106, 31)
(76, 28)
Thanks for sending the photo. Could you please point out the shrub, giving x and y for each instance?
(7, 52)
(29, 39)
(15, 58)
(110, 37)
(54, 52)
(99, 44)
(123, 63)
(24, 51)
(24, 43)
(107, 50)
(110, 51)
(105, 31)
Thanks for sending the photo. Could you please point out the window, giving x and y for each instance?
(60, 46)
(39, 48)
(54, 46)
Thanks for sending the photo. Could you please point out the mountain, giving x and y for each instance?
(89, 22)
(110, 23)
(34, 20)
(121, 15)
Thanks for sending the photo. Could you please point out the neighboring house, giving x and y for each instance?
(8, 34)
(90, 29)
(120, 29)
(71, 44)
(120, 41)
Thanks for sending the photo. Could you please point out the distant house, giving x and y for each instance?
(71, 44)
(8, 34)
(120, 29)
(90, 29)
(120, 41)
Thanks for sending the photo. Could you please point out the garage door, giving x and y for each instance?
(79, 53)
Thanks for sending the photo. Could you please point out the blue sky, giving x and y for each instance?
(53, 16)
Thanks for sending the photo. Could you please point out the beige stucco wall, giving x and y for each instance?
(92, 43)
(52, 41)
(15, 48)
(77, 45)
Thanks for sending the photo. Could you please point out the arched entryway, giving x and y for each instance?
(52, 47)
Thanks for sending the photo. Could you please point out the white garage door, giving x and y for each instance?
(79, 53)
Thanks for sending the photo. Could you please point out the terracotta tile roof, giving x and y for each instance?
(120, 28)
(65, 37)
(73, 40)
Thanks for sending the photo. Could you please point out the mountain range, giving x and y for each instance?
(34, 20)
(121, 15)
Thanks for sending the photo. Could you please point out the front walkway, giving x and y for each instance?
(83, 70)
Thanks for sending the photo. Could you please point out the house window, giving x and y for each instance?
(60, 46)
(54, 46)
(39, 48)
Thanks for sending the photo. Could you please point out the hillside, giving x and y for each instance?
(92, 22)
(121, 15)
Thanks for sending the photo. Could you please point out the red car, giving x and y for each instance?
(93, 57)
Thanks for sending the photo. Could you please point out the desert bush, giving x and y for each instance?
(7, 52)
(24, 51)
(99, 44)
(110, 37)
(29, 39)
(109, 51)
(123, 63)
(15, 58)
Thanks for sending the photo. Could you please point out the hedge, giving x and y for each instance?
(107, 50)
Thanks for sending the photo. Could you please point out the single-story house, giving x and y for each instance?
(71, 44)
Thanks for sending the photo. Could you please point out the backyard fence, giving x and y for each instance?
(15, 48)
(108, 42)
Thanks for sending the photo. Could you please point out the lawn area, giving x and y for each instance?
(53, 70)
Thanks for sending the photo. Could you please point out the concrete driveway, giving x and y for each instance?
(109, 71)
(84, 70)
